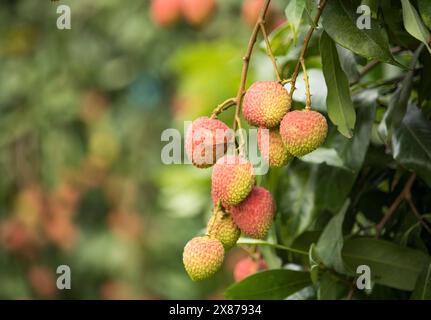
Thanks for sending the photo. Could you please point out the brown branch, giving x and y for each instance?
(269, 52)
(404, 194)
(417, 214)
(246, 62)
(223, 106)
(307, 38)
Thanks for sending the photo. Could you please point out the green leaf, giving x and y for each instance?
(414, 24)
(425, 11)
(324, 155)
(339, 21)
(281, 39)
(294, 12)
(330, 244)
(411, 143)
(398, 103)
(268, 285)
(422, 289)
(338, 101)
(391, 265)
(331, 288)
(348, 63)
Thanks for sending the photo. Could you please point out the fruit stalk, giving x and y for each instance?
(307, 38)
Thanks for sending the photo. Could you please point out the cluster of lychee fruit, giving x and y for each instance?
(165, 13)
(239, 205)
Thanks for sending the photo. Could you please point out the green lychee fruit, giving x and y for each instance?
(272, 148)
(206, 141)
(265, 104)
(232, 179)
(303, 131)
(255, 214)
(221, 227)
(202, 257)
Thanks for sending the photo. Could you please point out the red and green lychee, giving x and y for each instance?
(232, 179)
(255, 214)
(272, 148)
(248, 266)
(165, 12)
(222, 227)
(265, 104)
(206, 141)
(303, 131)
(203, 257)
(197, 12)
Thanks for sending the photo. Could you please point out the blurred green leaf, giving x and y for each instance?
(422, 289)
(425, 11)
(411, 143)
(294, 12)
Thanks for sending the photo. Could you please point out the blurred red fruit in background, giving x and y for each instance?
(165, 12)
(196, 12)
(43, 282)
(251, 10)
(248, 266)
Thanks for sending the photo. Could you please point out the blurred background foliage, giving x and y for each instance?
(81, 114)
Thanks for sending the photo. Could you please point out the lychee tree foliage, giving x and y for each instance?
(350, 157)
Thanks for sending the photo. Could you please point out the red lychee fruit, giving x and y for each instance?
(165, 12)
(255, 214)
(43, 281)
(265, 104)
(303, 131)
(272, 148)
(206, 141)
(197, 12)
(203, 257)
(232, 180)
(248, 266)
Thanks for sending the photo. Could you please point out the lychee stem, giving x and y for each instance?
(223, 106)
(307, 38)
(269, 51)
(307, 87)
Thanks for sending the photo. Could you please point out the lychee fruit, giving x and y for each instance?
(165, 12)
(221, 227)
(206, 141)
(232, 179)
(248, 266)
(251, 10)
(272, 148)
(255, 214)
(265, 104)
(303, 131)
(203, 257)
(196, 12)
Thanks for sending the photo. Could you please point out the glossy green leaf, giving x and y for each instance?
(331, 288)
(414, 25)
(339, 21)
(422, 289)
(338, 102)
(391, 265)
(324, 155)
(411, 143)
(268, 285)
(331, 241)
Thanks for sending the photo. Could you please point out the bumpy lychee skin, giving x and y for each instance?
(197, 12)
(221, 227)
(202, 257)
(265, 104)
(206, 141)
(232, 180)
(255, 214)
(272, 148)
(303, 131)
(165, 12)
(248, 266)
